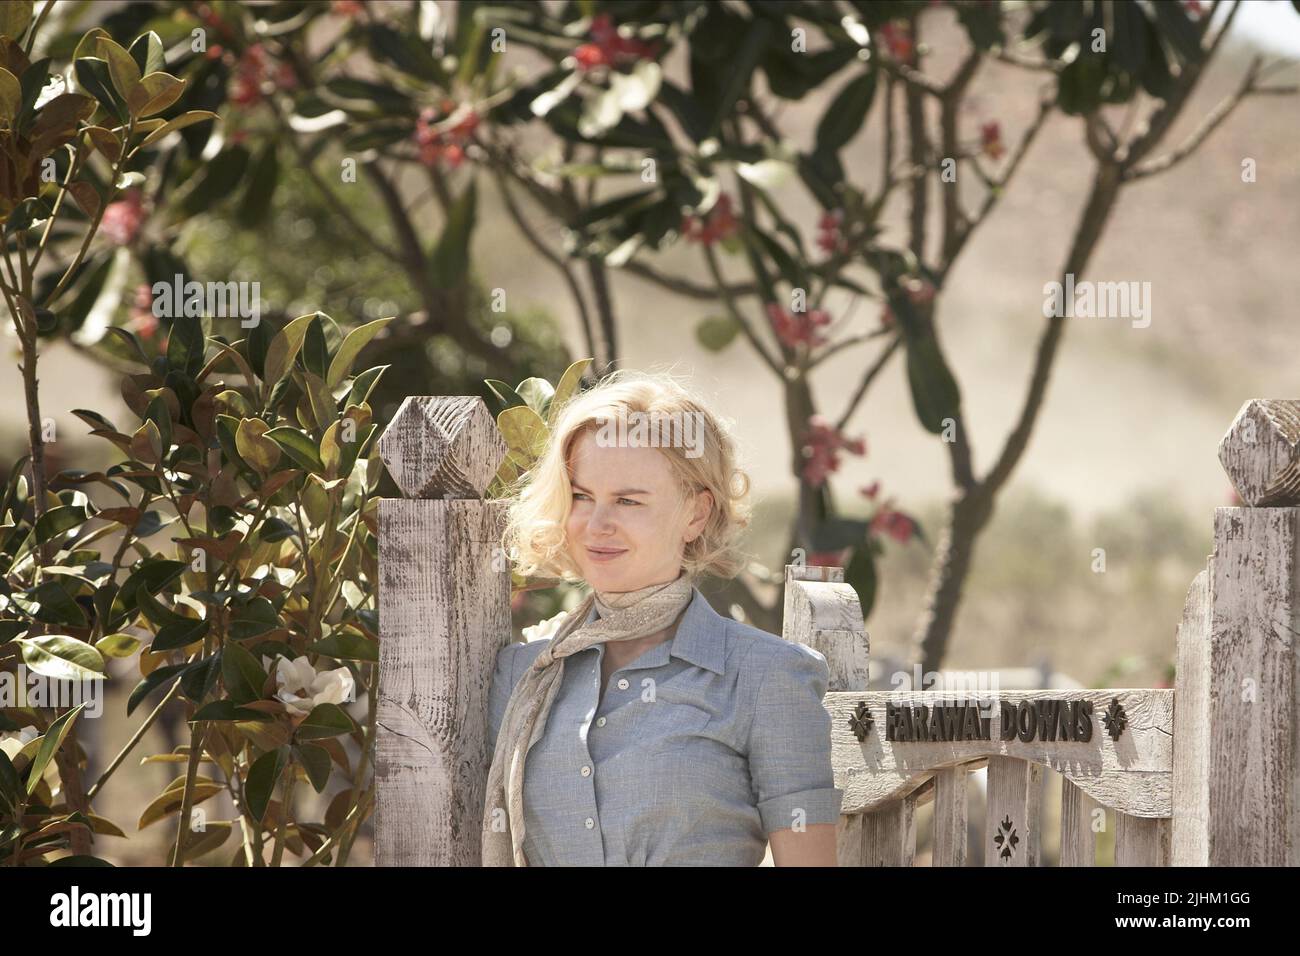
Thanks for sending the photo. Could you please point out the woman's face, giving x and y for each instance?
(628, 526)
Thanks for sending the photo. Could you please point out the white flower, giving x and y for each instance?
(544, 630)
(301, 688)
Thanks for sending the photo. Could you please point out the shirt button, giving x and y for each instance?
(600, 721)
(586, 771)
(590, 823)
(622, 683)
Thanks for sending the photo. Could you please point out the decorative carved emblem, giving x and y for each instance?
(1006, 840)
(1115, 719)
(860, 722)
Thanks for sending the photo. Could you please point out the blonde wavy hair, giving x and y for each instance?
(539, 505)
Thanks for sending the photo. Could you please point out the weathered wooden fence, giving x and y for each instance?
(1205, 774)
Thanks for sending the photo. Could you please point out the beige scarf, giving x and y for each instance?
(624, 616)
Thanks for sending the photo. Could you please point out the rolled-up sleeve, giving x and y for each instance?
(790, 741)
(503, 684)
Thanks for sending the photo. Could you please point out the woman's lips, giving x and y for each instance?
(605, 555)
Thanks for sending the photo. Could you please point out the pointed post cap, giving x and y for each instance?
(1261, 452)
(442, 446)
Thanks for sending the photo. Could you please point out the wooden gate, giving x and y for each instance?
(1205, 774)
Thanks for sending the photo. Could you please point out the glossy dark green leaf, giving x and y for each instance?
(255, 203)
(325, 720)
(860, 574)
(262, 778)
(846, 113)
(316, 761)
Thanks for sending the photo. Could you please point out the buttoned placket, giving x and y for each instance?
(647, 660)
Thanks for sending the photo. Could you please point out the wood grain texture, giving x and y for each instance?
(1254, 766)
(1192, 727)
(822, 612)
(1078, 838)
(1133, 774)
(1012, 820)
(442, 446)
(950, 817)
(1261, 452)
(444, 613)
(1141, 841)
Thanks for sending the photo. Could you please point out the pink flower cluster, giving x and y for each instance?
(121, 221)
(821, 449)
(887, 520)
(443, 145)
(720, 223)
(798, 328)
(830, 237)
(609, 48)
(896, 37)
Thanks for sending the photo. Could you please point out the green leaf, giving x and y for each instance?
(178, 634)
(716, 332)
(15, 18)
(316, 761)
(11, 787)
(93, 77)
(347, 646)
(178, 122)
(56, 521)
(846, 114)
(147, 51)
(262, 778)
(567, 388)
(243, 675)
(934, 391)
(536, 393)
(524, 431)
(860, 574)
(51, 741)
(299, 446)
(11, 96)
(284, 348)
(353, 343)
(122, 68)
(325, 720)
(61, 657)
(224, 710)
(255, 204)
(151, 682)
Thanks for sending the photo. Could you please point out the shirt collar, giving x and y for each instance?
(699, 639)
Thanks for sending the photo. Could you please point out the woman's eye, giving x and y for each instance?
(629, 501)
(579, 494)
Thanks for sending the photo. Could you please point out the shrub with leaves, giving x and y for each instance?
(258, 618)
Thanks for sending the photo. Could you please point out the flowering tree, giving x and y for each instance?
(715, 151)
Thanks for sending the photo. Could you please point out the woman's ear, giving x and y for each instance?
(703, 508)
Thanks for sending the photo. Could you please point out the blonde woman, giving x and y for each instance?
(648, 729)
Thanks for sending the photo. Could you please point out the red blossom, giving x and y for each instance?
(893, 523)
(437, 145)
(610, 48)
(829, 236)
(719, 224)
(821, 448)
(870, 490)
(991, 140)
(346, 8)
(122, 219)
(798, 328)
(896, 35)
(826, 559)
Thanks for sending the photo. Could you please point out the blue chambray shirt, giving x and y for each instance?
(701, 747)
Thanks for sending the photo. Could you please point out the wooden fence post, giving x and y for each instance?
(444, 612)
(822, 612)
(1236, 744)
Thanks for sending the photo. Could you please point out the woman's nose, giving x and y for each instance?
(602, 518)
